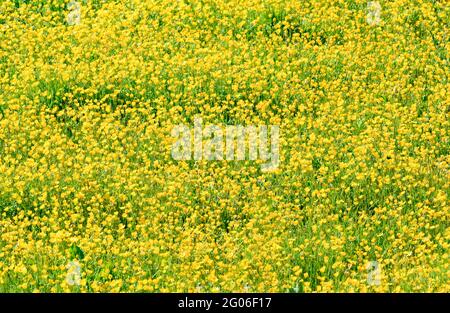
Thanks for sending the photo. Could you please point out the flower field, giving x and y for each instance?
(91, 199)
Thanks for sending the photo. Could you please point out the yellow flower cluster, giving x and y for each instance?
(87, 105)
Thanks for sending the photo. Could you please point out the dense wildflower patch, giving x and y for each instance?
(91, 199)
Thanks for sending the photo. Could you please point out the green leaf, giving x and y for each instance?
(76, 252)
